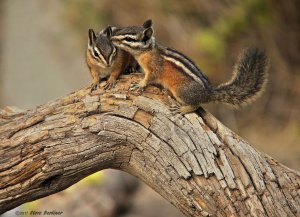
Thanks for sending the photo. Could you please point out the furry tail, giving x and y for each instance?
(248, 80)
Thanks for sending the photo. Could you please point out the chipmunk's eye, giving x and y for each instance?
(129, 39)
(95, 53)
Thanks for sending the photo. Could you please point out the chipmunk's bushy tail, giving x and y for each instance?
(248, 80)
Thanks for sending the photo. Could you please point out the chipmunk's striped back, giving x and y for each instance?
(186, 65)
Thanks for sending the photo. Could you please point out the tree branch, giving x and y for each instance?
(194, 162)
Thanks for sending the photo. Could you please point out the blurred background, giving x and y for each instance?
(42, 48)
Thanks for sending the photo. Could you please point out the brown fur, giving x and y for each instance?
(172, 79)
(91, 62)
(170, 76)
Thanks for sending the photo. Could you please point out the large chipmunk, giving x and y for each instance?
(178, 74)
(105, 60)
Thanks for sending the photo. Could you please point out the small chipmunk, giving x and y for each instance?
(105, 60)
(177, 73)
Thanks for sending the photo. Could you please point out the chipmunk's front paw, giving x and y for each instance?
(136, 86)
(94, 86)
(110, 84)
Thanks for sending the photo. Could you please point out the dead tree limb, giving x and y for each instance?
(194, 162)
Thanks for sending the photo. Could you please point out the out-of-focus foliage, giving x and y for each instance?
(95, 179)
(235, 21)
(83, 12)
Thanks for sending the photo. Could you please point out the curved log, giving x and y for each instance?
(193, 161)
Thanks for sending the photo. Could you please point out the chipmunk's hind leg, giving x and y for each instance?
(188, 109)
(193, 93)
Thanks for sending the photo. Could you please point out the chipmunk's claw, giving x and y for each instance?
(136, 86)
(109, 85)
(94, 86)
(175, 109)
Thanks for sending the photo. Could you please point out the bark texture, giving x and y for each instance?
(193, 161)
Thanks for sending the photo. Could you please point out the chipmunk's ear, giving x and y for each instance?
(92, 37)
(147, 24)
(108, 31)
(147, 34)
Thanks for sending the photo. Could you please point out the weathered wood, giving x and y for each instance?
(193, 161)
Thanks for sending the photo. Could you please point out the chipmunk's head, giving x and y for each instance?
(100, 47)
(135, 39)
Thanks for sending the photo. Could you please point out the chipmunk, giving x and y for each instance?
(105, 60)
(178, 74)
